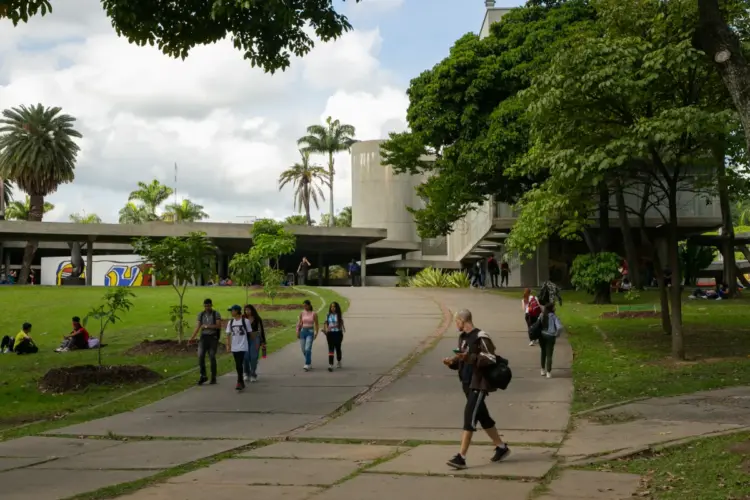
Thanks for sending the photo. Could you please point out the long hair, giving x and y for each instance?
(336, 310)
(546, 311)
(257, 322)
(526, 295)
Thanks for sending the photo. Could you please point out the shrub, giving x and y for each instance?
(438, 278)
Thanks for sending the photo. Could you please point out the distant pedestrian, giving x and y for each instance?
(238, 339)
(551, 329)
(494, 270)
(479, 272)
(307, 332)
(257, 341)
(302, 270)
(209, 326)
(531, 310)
(355, 273)
(475, 350)
(334, 330)
(504, 273)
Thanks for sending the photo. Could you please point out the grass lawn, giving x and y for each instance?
(620, 359)
(708, 469)
(49, 310)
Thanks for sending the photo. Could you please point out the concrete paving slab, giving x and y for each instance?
(57, 484)
(170, 491)
(268, 471)
(51, 447)
(17, 463)
(314, 451)
(589, 438)
(146, 455)
(235, 425)
(380, 486)
(430, 459)
(577, 484)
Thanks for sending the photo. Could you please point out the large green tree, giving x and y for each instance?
(6, 196)
(20, 210)
(151, 196)
(38, 153)
(466, 120)
(306, 179)
(185, 211)
(268, 33)
(133, 214)
(329, 139)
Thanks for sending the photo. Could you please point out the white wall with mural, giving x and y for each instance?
(108, 270)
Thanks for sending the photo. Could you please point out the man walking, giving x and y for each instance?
(209, 326)
(494, 269)
(355, 273)
(475, 350)
(302, 270)
(504, 273)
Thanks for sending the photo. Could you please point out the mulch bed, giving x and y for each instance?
(281, 295)
(162, 346)
(631, 314)
(74, 378)
(278, 307)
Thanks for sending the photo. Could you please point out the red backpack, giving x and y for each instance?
(534, 308)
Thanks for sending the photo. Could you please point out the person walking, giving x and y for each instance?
(302, 270)
(256, 340)
(355, 273)
(334, 331)
(475, 351)
(238, 337)
(307, 332)
(531, 310)
(480, 273)
(209, 326)
(504, 273)
(551, 329)
(494, 269)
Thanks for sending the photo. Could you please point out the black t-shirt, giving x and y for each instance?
(304, 267)
(466, 341)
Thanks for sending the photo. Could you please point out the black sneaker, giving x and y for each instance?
(330, 368)
(501, 453)
(202, 380)
(240, 386)
(213, 381)
(457, 462)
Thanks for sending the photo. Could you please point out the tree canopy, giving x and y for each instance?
(267, 33)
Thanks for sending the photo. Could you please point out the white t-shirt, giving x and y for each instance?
(236, 335)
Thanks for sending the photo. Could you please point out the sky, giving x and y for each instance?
(230, 128)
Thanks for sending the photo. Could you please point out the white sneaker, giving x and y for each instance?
(531, 343)
(338, 365)
(549, 375)
(253, 379)
(247, 378)
(330, 368)
(544, 372)
(306, 368)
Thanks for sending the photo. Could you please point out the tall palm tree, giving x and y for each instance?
(151, 195)
(328, 139)
(20, 210)
(84, 218)
(306, 179)
(6, 196)
(133, 214)
(38, 153)
(187, 211)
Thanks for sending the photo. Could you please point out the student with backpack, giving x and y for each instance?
(474, 356)
(238, 341)
(531, 310)
(551, 329)
(209, 326)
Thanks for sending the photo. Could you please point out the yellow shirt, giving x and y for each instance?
(19, 337)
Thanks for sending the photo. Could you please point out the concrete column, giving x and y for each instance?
(7, 263)
(221, 265)
(89, 262)
(321, 268)
(2, 251)
(363, 264)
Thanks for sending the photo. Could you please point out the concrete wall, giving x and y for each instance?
(493, 15)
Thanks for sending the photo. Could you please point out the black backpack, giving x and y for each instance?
(499, 374)
(535, 330)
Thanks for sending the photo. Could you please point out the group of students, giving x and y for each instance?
(22, 343)
(246, 339)
(548, 325)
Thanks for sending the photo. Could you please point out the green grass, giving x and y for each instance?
(620, 359)
(49, 309)
(706, 469)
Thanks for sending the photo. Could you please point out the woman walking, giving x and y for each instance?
(531, 309)
(551, 329)
(238, 333)
(257, 339)
(334, 330)
(307, 332)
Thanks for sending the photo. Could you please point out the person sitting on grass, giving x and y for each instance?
(77, 339)
(22, 343)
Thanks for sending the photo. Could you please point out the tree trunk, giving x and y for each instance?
(180, 332)
(723, 47)
(604, 294)
(36, 212)
(727, 227)
(331, 174)
(631, 253)
(2, 199)
(306, 202)
(678, 346)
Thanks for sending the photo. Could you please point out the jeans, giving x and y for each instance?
(504, 278)
(334, 345)
(208, 344)
(250, 364)
(301, 278)
(493, 280)
(547, 346)
(306, 336)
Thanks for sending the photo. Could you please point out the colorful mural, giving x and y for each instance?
(108, 270)
(64, 270)
(129, 275)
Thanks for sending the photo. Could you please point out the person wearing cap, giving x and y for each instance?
(238, 341)
(209, 326)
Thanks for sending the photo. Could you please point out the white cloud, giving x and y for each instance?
(230, 128)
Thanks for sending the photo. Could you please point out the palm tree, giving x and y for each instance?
(133, 214)
(343, 219)
(305, 177)
(187, 211)
(20, 210)
(38, 153)
(84, 218)
(151, 195)
(6, 196)
(297, 220)
(330, 139)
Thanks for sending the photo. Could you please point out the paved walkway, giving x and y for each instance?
(393, 443)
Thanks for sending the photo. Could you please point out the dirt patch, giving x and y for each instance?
(631, 314)
(613, 418)
(693, 360)
(270, 324)
(282, 295)
(278, 307)
(74, 378)
(167, 347)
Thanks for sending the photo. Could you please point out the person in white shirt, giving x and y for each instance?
(551, 329)
(531, 310)
(238, 330)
